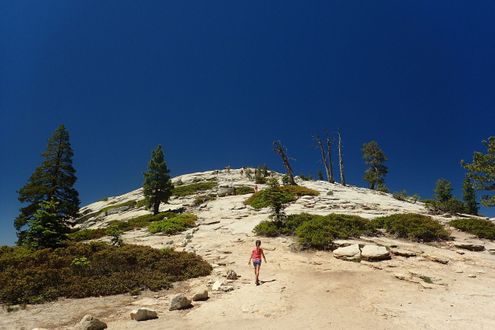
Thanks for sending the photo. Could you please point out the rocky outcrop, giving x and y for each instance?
(231, 275)
(89, 322)
(375, 253)
(200, 294)
(469, 246)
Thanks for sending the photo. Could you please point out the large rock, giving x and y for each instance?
(469, 246)
(201, 294)
(89, 322)
(351, 252)
(179, 301)
(404, 253)
(374, 253)
(143, 314)
(216, 286)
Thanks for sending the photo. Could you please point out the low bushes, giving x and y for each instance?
(315, 231)
(193, 188)
(412, 226)
(131, 204)
(203, 199)
(87, 234)
(96, 269)
(174, 225)
(452, 206)
(286, 194)
(479, 227)
(243, 190)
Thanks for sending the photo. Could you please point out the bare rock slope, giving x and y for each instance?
(397, 284)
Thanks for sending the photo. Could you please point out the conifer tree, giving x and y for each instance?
(157, 183)
(482, 172)
(443, 191)
(53, 181)
(375, 160)
(46, 228)
(341, 159)
(469, 197)
(282, 151)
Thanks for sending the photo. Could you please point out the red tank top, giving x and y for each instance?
(256, 254)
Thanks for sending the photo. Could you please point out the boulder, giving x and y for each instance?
(374, 253)
(179, 301)
(231, 275)
(216, 286)
(89, 322)
(143, 314)
(351, 252)
(225, 191)
(469, 246)
(200, 294)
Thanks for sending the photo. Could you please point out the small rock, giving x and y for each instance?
(216, 286)
(143, 314)
(179, 301)
(89, 322)
(351, 252)
(472, 276)
(226, 288)
(201, 294)
(491, 251)
(375, 253)
(206, 223)
(438, 259)
(231, 275)
(403, 253)
(470, 246)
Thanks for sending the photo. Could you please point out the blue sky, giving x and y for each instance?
(215, 82)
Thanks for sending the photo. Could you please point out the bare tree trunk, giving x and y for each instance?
(326, 157)
(279, 149)
(341, 161)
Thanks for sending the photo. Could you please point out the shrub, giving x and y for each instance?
(91, 270)
(131, 204)
(193, 188)
(243, 190)
(174, 225)
(452, 206)
(479, 227)
(317, 233)
(400, 195)
(267, 228)
(287, 194)
(87, 234)
(203, 199)
(306, 177)
(412, 226)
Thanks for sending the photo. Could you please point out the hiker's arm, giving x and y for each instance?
(249, 261)
(263, 254)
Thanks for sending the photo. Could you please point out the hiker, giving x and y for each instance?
(256, 255)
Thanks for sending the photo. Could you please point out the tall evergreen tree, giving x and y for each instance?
(375, 160)
(469, 197)
(53, 180)
(443, 190)
(482, 172)
(157, 183)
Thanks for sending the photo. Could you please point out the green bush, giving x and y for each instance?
(86, 270)
(452, 206)
(267, 228)
(286, 194)
(412, 226)
(400, 195)
(193, 188)
(479, 227)
(87, 234)
(317, 233)
(174, 225)
(104, 210)
(243, 190)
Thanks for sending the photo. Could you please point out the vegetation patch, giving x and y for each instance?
(131, 204)
(174, 225)
(201, 199)
(91, 270)
(316, 231)
(243, 190)
(286, 194)
(193, 188)
(479, 227)
(415, 227)
(87, 234)
(452, 206)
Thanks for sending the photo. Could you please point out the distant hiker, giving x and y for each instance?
(256, 255)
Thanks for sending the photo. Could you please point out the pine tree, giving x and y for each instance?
(374, 158)
(482, 171)
(282, 151)
(341, 159)
(46, 228)
(469, 197)
(53, 180)
(443, 190)
(157, 183)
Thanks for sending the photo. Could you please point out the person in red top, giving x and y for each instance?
(256, 255)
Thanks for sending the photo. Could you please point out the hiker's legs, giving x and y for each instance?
(257, 272)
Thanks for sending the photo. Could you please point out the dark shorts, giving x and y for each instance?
(257, 262)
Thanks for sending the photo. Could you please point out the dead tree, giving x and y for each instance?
(280, 149)
(341, 161)
(326, 157)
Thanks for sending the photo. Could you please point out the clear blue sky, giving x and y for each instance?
(215, 82)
